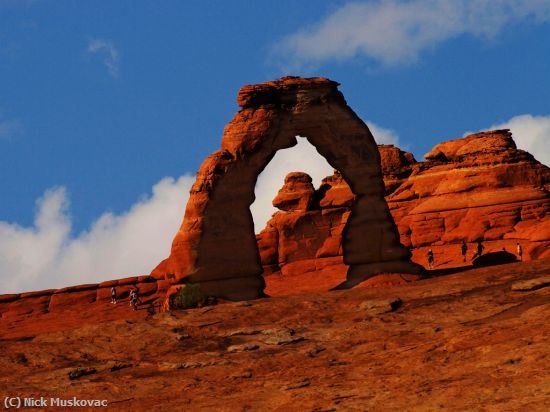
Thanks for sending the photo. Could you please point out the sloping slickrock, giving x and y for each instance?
(379, 306)
(463, 342)
(531, 284)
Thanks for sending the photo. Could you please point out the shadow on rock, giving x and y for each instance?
(494, 258)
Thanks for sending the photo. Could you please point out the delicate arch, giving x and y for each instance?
(216, 246)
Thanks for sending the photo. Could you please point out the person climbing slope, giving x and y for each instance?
(520, 251)
(113, 295)
(480, 248)
(135, 301)
(131, 297)
(430, 258)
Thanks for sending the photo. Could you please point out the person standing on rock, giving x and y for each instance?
(464, 250)
(131, 297)
(479, 248)
(113, 295)
(430, 258)
(134, 298)
(520, 251)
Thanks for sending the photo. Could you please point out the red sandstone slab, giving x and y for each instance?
(103, 294)
(37, 293)
(147, 288)
(163, 286)
(34, 305)
(9, 298)
(108, 283)
(127, 281)
(76, 288)
(4, 307)
(70, 300)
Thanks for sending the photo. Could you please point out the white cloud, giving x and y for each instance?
(301, 158)
(47, 256)
(531, 133)
(383, 135)
(392, 32)
(111, 54)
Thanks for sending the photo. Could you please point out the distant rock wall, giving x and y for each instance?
(477, 188)
(78, 298)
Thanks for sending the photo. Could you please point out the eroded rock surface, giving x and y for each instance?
(296, 194)
(463, 342)
(216, 246)
(531, 284)
(477, 188)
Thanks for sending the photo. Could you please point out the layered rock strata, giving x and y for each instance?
(216, 246)
(71, 306)
(477, 188)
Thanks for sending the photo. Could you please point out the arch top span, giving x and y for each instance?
(287, 92)
(216, 245)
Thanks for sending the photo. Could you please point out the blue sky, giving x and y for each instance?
(101, 101)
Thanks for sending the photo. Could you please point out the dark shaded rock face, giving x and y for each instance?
(477, 188)
(494, 258)
(216, 245)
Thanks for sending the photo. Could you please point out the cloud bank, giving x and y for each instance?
(393, 32)
(531, 133)
(111, 55)
(46, 256)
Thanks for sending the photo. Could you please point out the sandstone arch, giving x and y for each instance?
(216, 246)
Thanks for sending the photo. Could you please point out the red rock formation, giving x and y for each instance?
(216, 246)
(397, 166)
(70, 307)
(300, 241)
(480, 187)
(296, 194)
